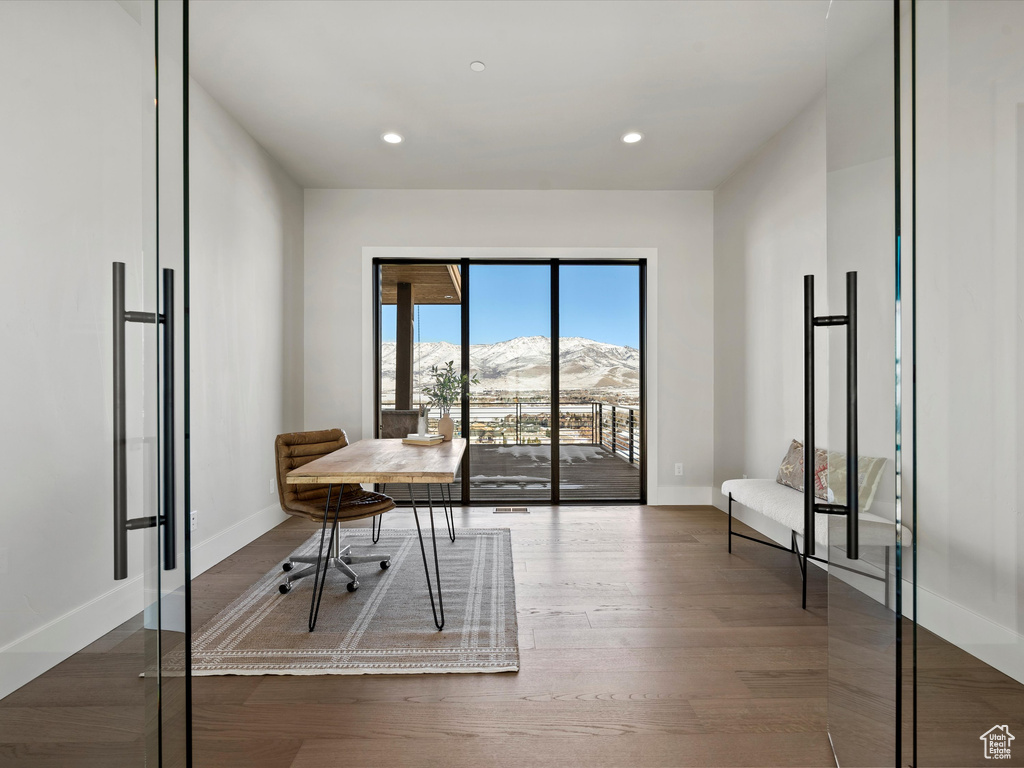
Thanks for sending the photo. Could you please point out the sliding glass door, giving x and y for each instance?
(600, 421)
(91, 548)
(925, 132)
(554, 350)
(510, 409)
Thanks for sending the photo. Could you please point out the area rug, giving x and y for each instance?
(384, 627)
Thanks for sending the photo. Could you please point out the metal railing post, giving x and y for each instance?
(614, 436)
(630, 435)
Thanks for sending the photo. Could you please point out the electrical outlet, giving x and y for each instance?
(193, 521)
(744, 477)
(679, 469)
(273, 484)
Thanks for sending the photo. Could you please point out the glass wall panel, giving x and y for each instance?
(863, 587)
(84, 613)
(970, 382)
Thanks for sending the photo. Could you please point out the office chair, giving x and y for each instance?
(349, 500)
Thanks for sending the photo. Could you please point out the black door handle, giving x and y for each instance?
(852, 507)
(121, 522)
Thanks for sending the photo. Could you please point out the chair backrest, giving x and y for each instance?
(296, 449)
(395, 423)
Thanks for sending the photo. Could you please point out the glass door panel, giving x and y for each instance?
(420, 335)
(599, 419)
(970, 361)
(861, 284)
(81, 307)
(510, 408)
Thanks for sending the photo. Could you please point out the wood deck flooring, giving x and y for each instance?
(522, 473)
(643, 643)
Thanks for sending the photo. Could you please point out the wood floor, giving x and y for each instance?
(644, 643)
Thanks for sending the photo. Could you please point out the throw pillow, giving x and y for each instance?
(791, 471)
(869, 473)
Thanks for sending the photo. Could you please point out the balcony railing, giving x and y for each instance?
(614, 427)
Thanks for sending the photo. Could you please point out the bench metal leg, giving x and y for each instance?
(887, 577)
(801, 560)
(730, 523)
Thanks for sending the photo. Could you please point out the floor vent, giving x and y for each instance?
(507, 510)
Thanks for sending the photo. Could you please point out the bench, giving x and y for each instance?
(785, 506)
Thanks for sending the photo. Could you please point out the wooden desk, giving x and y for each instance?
(386, 461)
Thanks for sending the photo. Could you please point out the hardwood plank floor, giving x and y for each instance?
(641, 643)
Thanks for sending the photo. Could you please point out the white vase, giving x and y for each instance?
(446, 427)
(421, 425)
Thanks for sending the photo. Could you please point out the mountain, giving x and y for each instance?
(523, 364)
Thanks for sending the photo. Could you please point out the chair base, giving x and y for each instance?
(341, 558)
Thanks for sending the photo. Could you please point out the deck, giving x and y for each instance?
(523, 473)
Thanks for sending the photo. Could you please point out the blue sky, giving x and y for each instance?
(597, 302)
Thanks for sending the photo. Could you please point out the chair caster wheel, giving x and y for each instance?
(385, 564)
(286, 567)
(352, 586)
(285, 589)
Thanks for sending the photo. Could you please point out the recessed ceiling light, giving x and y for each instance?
(478, 66)
(392, 138)
(632, 137)
(449, 297)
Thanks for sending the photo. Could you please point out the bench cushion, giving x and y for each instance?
(786, 506)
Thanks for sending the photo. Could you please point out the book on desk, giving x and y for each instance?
(415, 439)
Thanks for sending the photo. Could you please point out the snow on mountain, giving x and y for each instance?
(524, 364)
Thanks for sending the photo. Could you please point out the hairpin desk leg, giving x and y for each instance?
(318, 579)
(449, 510)
(438, 607)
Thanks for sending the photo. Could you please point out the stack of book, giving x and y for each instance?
(415, 439)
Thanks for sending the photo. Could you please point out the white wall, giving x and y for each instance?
(340, 223)
(69, 206)
(769, 233)
(970, 355)
(247, 347)
(74, 199)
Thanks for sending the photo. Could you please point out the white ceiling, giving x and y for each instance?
(317, 82)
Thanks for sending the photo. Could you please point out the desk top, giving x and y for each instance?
(384, 461)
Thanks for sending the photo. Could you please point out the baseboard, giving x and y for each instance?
(686, 495)
(208, 552)
(41, 649)
(994, 644)
(29, 656)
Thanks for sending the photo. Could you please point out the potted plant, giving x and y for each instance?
(445, 392)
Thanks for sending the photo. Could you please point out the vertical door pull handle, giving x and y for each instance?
(122, 524)
(167, 518)
(852, 506)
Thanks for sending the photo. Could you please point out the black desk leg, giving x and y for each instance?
(439, 607)
(449, 511)
(375, 526)
(318, 581)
